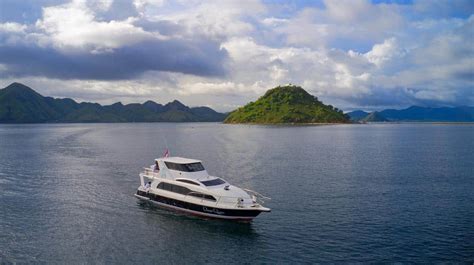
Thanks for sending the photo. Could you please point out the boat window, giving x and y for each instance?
(188, 181)
(209, 197)
(196, 194)
(204, 196)
(213, 182)
(191, 167)
(164, 186)
(173, 188)
(180, 189)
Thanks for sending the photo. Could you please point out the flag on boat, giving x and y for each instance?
(167, 153)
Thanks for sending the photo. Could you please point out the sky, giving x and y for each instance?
(353, 54)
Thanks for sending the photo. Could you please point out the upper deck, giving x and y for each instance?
(178, 160)
(177, 167)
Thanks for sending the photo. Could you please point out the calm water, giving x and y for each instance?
(353, 193)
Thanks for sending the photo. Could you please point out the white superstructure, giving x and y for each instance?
(183, 184)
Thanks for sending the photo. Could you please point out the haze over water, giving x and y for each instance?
(341, 193)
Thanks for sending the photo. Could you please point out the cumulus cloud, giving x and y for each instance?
(218, 20)
(69, 42)
(383, 52)
(12, 27)
(352, 54)
(357, 21)
(74, 25)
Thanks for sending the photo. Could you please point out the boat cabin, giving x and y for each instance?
(190, 171)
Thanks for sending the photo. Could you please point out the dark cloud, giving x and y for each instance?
(385, 97)
(197, 57)
(23, 57)
(404, 97)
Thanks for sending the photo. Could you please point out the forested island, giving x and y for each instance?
(287, 104)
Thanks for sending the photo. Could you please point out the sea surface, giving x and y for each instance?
(340, 193)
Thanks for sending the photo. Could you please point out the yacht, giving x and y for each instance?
(183, 184)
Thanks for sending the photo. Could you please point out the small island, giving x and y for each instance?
(287, 105)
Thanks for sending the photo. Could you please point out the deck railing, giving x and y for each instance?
(150, 173)
(224, 200)
(233, 201)
(257, 196)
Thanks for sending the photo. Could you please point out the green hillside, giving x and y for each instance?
(286, 104)
(21, 104)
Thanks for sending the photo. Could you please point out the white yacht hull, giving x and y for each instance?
(200, 210)
(183, 184)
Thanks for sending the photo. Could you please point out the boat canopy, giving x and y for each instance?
(178, 160)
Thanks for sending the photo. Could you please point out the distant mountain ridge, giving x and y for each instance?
(374, 117)
(21, 104)
(417, 114)
(287, 104)
(357, 115)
